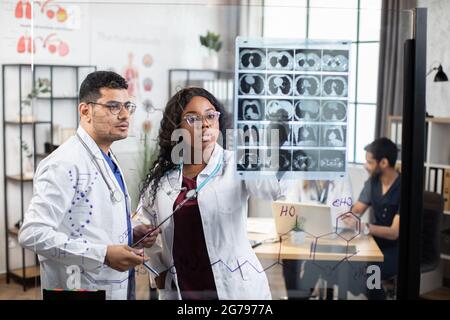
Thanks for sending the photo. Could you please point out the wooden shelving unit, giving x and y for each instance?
(13, 231)
(19, 178)
(437, 157)
(30, 272)
(58, 107)
(219, 82)
(437, 173)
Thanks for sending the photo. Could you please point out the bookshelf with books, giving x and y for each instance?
(437, 156)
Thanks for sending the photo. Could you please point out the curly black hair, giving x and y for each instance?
(94, 81)
(383, 148)
(170, 121)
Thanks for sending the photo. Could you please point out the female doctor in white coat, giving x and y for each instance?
(203, 252)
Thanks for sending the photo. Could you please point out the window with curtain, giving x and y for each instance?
(355, 20)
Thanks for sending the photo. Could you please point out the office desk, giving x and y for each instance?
(366, 248)
(366, 251)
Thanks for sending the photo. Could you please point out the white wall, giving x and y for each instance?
(438, 48)
(169, 33)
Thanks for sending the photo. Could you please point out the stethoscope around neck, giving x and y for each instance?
(192, 194)
(115, 195)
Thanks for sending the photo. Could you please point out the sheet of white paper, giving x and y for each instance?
(261, 226)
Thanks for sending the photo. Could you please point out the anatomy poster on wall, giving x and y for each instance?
(43, 31)
(291, 107)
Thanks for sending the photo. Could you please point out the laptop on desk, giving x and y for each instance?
(316, 221)
(314, 218)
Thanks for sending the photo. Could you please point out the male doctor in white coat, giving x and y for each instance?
(78, 221)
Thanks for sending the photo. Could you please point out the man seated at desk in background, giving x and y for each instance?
(382, 192)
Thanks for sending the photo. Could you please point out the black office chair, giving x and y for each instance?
(433, 209)
(430, 249)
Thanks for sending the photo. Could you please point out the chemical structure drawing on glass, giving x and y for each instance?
(346, 237)
(297, 89)
(81, 211)
(79, 215)
(346, 256)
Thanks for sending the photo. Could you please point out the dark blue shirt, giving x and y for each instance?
(116, 171)
(118, 175)
(385, 206)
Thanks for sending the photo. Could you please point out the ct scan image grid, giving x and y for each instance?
(291, 107)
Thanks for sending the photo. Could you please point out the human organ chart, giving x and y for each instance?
(53, 24)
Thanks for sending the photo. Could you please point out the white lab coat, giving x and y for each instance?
(238, 273)
(71, 219)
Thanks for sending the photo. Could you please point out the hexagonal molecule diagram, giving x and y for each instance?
(348, 227)
(350, 223)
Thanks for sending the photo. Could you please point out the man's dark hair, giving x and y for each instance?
(90, 87)
(383, 148)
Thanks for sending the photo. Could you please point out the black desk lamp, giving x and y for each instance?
(440, 75)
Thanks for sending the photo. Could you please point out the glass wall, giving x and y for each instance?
(336, 257)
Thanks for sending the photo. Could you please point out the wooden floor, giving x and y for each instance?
(14, 290)
(438, 294)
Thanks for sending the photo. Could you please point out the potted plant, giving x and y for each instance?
(213, 43)
(42, 88)
(148, 153)
(298, 233)
(145, 157)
